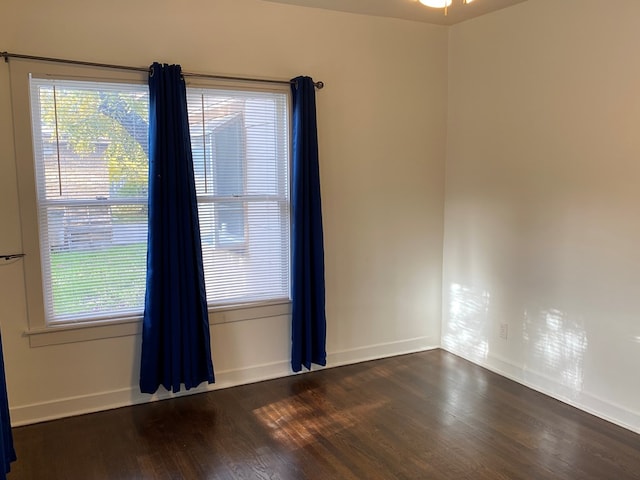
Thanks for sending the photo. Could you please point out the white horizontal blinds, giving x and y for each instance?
(90, 144)
(240, 150)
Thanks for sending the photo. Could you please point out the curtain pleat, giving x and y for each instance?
(176, 345)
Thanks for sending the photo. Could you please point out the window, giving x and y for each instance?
(89, 145)
(91, 166)
(240, 153)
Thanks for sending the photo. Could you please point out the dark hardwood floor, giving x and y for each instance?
(428, 415)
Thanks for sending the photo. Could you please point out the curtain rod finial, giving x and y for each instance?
(319, 85)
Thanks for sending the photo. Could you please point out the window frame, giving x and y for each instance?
(46, 205)
(38, 331)
(284, 303)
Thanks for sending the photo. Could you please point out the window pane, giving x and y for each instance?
(227, 141)
(241, 163)
(257, 270)
(90, 144)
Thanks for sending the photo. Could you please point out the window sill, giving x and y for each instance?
(83, 332)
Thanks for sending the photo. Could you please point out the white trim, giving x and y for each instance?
(382, 350)
(86, 331)
(95, 402)
(249, 311)
(599, 407)
(58, 335)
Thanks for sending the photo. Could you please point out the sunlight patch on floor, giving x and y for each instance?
(297, 421)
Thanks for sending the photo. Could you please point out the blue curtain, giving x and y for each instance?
(308, 327)
(176, 346)
(6, 438)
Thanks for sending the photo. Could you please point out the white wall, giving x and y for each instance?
(542, 228)
(382, 124)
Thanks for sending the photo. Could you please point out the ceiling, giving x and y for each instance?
(408, 9)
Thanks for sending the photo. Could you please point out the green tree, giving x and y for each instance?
(90, 120)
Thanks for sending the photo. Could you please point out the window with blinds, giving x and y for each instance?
(91, 164)
(91, 167)
(240, 153)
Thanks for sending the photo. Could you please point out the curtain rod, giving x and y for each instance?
(6, 55)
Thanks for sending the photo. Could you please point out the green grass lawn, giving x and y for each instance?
(102, 280)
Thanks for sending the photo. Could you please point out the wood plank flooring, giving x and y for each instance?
(429, 415)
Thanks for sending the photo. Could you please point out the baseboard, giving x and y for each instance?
(107, 400)
(382, 350)
(542, 383)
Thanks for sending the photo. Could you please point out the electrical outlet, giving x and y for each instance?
(504, 331)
